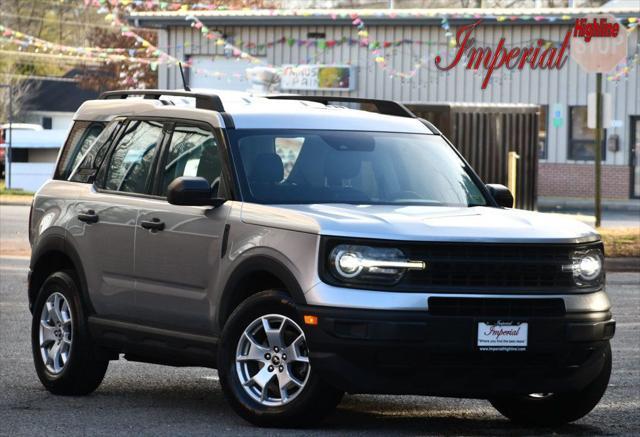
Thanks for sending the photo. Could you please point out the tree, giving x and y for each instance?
(21, 93)
(123, 74)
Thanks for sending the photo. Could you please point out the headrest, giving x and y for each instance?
(342, 165)
(267, 168)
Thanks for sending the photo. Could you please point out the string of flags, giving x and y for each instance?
(144, 52)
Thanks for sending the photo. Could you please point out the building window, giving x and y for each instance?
(47, 122)
(542, 132)
(581, 137)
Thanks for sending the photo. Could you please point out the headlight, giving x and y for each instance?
(586, 267)
(365, 264)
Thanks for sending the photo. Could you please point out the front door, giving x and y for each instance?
(634, 161)
(178, 248)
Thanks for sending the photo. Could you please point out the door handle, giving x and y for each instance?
(89, 216)
(154, 224)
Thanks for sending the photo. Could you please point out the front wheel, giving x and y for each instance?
(264, 365)
(549, 409)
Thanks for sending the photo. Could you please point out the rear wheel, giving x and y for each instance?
(62, 350)
(550, 409)
(264, 365)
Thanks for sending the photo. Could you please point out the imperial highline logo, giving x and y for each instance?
(541, 55)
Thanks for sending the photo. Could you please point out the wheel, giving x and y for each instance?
(62, 351)
(264, 366)
(549, 409)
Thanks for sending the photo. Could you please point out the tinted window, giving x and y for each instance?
(193, 151)
(351, 167)
(86, 163)
(132, 159)
(80, 139)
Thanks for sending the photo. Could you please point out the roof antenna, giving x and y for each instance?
(184, 82)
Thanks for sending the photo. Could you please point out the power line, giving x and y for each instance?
(88, 24)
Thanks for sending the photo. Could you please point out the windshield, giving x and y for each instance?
(320, 166)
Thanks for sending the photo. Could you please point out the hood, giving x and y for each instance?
(421, 223)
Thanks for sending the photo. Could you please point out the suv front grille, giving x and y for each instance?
(481, 267)
(455, 306)
(525, 267)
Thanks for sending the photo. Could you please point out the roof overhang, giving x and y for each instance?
(277, 17)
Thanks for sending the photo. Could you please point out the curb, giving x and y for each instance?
(627, 264)
(560, 204)
(15, 203)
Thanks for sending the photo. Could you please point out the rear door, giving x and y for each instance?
(177, 250)
(105, 221)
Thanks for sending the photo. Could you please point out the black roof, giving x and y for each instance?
(54, 95)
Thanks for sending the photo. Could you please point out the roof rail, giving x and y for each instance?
(388, 107)
(203, 101)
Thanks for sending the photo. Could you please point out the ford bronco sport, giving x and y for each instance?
(307, 250)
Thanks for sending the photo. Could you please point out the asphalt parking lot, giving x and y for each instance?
(153, 400)
(146, 399)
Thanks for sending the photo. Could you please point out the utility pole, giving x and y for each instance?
(598, 55)
(7, 159)
(598, 149)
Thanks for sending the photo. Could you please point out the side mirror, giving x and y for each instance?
(501, 195)
(192, 191)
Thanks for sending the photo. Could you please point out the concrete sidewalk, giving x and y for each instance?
(585, 204)
(12, 199)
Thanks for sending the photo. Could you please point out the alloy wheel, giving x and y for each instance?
(272, 360)
(55, 333)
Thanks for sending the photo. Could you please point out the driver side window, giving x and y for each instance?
(193, 151)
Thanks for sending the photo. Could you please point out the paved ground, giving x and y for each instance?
(155, 400)
(14, 232)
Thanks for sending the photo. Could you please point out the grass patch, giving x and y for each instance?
(13, 192)
(621, 242)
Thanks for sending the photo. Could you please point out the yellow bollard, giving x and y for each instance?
(512, 171)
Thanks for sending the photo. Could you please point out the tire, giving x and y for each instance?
(82, 372)
(556, 409)
(295, 406)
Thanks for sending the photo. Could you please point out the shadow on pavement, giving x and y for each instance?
(396, 420)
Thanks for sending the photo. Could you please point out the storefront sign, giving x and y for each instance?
(598, 43)
(538, 55)
(318, 77)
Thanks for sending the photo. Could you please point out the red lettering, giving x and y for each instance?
(463, 41)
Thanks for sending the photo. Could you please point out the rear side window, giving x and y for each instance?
(81, 137)
(88, 162)
(132, 158)
(193, 151)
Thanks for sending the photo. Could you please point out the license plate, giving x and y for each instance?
(502, 336)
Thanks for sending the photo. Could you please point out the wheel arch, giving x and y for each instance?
(255, 274)
(50, 255)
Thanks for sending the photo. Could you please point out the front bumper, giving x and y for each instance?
(414, 352)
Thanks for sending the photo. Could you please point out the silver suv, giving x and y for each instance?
(307, 250)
